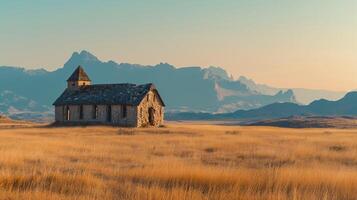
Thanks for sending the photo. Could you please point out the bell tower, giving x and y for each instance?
(78, 78)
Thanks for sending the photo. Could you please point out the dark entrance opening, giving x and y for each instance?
(68, 113)
(109, 113)
(151, 116)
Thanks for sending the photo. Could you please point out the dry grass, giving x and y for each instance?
(179, 161)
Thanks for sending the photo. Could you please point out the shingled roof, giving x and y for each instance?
(108, 94)
(79, 75)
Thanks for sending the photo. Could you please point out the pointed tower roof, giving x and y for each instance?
(79, 75)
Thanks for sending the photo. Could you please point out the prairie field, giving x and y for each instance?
(179, 161)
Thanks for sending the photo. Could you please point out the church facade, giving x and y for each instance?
(125, 104)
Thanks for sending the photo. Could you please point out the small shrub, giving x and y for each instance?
(233, 132)
(337, 148)
(210, 150)
(157, 131)
(163, 132)
(327, 132)
(126, 131)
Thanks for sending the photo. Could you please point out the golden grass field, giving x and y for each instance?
(180, 161)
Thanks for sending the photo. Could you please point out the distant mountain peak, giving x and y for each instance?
(164, 65)
(287, 94)
(216, 73)
(352, 94)
(260, 88)
(350, 97)
(245, 79)
(85, 55)
(83, 58)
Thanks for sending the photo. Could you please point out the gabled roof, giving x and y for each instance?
(108, 94)
(79, 75)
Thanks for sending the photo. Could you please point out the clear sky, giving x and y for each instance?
(284, 43)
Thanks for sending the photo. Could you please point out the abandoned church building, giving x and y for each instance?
(113, 104)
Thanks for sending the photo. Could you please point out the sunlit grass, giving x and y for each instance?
(179, 161)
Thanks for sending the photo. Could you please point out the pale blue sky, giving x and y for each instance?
(286, 43)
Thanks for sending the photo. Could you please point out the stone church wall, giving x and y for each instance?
(151, 100)
(129, 120)
(102, 116)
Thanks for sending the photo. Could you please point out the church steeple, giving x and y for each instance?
(78, 78)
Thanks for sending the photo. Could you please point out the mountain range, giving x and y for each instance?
(303, 96)
(346, 106)
(25, 94)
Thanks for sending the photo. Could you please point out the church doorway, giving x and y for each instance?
(151, 116)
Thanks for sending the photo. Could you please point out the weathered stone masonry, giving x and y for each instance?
(115, 104)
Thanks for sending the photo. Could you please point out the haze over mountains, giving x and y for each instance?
(29, 93)
(304, 96)
(346, 106)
